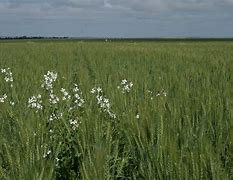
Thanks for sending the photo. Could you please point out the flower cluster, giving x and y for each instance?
(49, 79)
(54, 116)
(8, 77)
(103, 102)
(125, 86)
(162, 93)
(3, 98)
(46, 154)
(53, 99)
(66, 95)
(74, 123)
(78, 100)
(12, 103)
(35, 102)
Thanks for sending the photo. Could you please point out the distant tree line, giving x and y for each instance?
(30, 37)
(116, 39)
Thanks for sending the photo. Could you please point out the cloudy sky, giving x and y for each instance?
(117, 18)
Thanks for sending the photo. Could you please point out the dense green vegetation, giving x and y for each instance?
(176, 122)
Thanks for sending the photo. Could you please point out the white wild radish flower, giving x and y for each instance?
(8, 77)
(54, 116)
(3, 98)
(126, 86)
(98, 89)
(3, 70)
(93, 91)
(78, 100)
(76, 88)
(112, 115)
(46, 154)
(50, 131)
(12, 103)
(103, 102)
(53, 99)
(35, 102)
(123, 82)
(66, 95)
(137, 116)
(162, 93)
(49, 79)
(74, 123)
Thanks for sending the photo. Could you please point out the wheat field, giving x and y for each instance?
(116, 110)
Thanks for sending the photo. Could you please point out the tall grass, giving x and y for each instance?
(186, 133)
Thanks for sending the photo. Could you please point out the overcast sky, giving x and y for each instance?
(117, 18)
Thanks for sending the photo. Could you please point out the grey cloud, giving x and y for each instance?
(145, 5)
(137, 5)
(133, 7)
(113, 9)
(171, 5)
(117, 17)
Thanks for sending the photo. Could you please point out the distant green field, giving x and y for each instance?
(116, 110)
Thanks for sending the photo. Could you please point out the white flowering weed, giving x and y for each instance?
(103, 102)
(78, 100)
(8, 76)
(125, 86)
(35, 102)
(66, 95)
(49, 79)
(3, 98)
